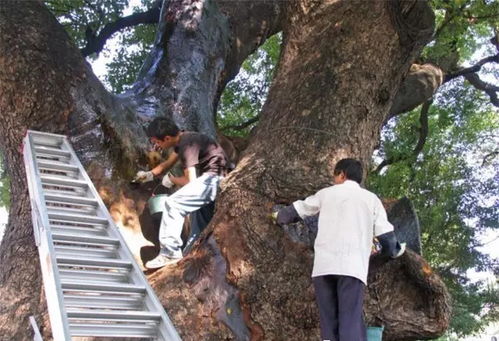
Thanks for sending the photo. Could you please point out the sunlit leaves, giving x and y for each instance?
(463, 27)
(135, 44)
(83, 17)
(245, 95)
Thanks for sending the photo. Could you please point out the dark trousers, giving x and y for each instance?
(340, 300)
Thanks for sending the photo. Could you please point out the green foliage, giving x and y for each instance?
(463, 27)
(135, 44)
(455, 194)
(243, 98)
(81, 17)
(4, 186)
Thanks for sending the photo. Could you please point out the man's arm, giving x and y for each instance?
(299, 209)
(383, 230)
(308, 207)
(165, 165)
(189, 175)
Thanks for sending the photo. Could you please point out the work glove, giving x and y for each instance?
(390, 246)
(144, 176)
(286, 215)
(167, 182)
(401, 250)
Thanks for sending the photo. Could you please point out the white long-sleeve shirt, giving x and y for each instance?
(349, 218)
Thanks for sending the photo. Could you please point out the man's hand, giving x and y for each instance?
(144, 176)
(286, 215)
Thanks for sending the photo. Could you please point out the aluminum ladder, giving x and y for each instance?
(93, 285)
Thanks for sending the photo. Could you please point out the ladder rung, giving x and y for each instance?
(73, 192)
(76, 218)
(58, 173)
(49, 157)
(102, 292)
(87, 210)
(146, 316)
(94, 240)
(46, 139)
(113, 287)
(70, 199)
(101, 263)
(114, 330)
(60, 166)
(108, 302)
(90, 252)
(61, 223)
(110, 276)
(82, 231)
(52, 151)
(54, 180)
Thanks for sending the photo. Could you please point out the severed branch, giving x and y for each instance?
(424, 80)
(423, 135)
(95, 43)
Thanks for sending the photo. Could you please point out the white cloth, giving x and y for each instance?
(349, 218)
(166, 181)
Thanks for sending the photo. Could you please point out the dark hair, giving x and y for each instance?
(161, 127)
(351, 167)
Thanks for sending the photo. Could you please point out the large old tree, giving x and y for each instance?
(344, 69)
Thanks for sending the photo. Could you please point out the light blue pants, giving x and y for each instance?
(188, 199)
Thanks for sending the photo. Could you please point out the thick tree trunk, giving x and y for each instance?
(46, 85)
(333, 90)
(334, 87)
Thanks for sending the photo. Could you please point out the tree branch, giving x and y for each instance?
(448, 18)
(423, 135)
(424, 80)
(242, 125)
(95, 43)
(472, 69)
(489, 89)
(489, 157)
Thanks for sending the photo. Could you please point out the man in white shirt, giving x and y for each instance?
(349, 218)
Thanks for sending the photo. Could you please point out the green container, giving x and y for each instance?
(156, 203)
(374, 333)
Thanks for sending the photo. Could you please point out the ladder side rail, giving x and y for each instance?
(36, 332)
(48, 262)
(153, 301)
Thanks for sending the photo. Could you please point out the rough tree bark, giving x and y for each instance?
(340, 68)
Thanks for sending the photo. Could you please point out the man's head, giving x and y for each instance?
(347, 169)
(163, 132)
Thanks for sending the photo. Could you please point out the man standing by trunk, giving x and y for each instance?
(204, 163)
(349, 218)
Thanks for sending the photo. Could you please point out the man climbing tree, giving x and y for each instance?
(204, 163)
